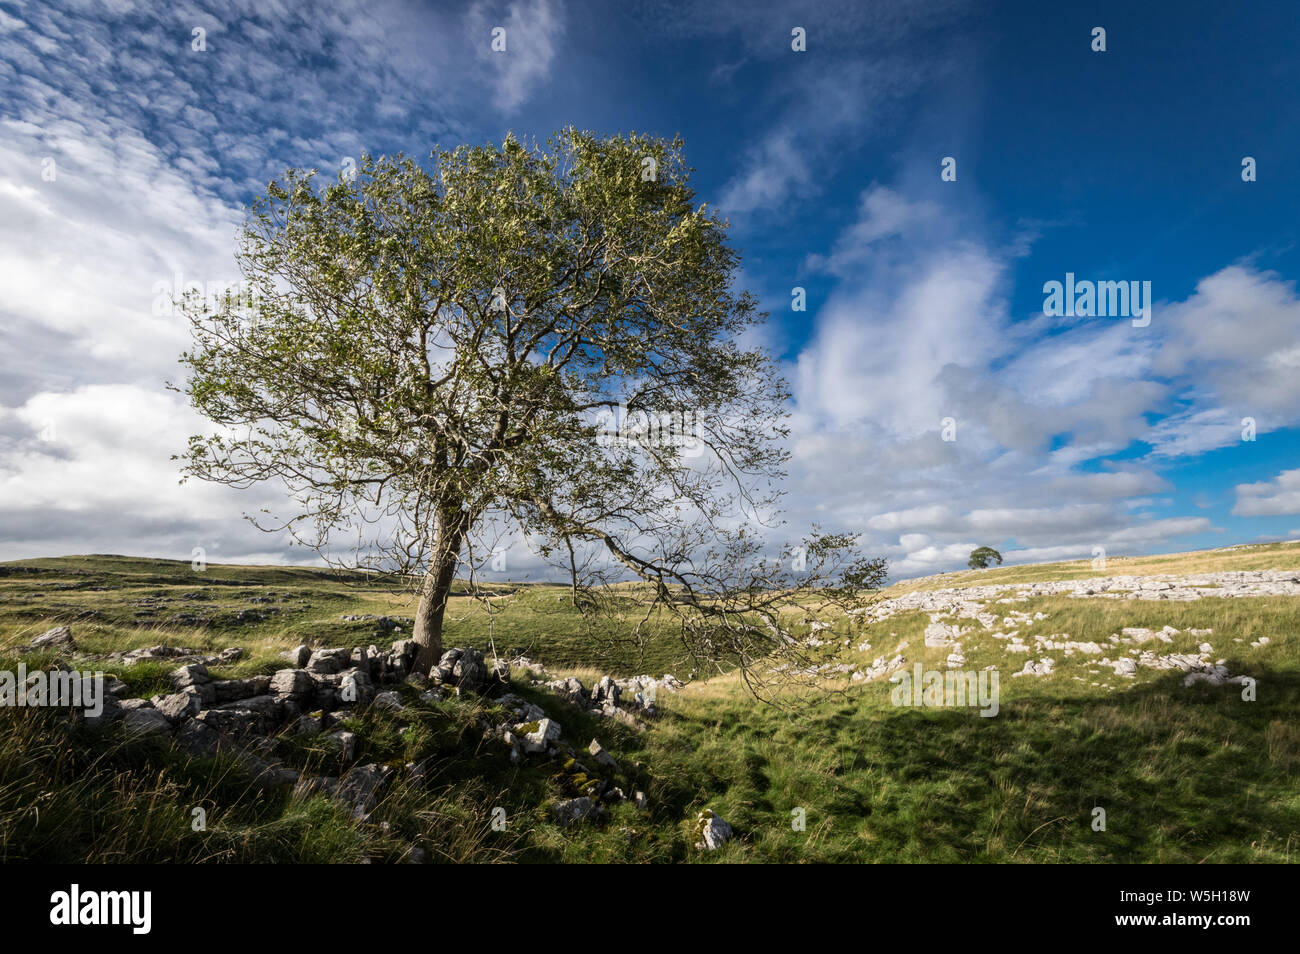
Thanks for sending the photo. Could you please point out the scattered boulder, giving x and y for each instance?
(346, 741)
(299, 656)
(941, 634)
(539, 735)
(711, 831)
(352, 686)
(403, 653)
(58, 639)
(294, 684)
(570, 689)
(228, 690)
(602, 757)
(606, 691)
(178, 706)
(445, 671)
(573, 811)
(358, 789)
(198, 739)
(111, 711)
(329, 660)
(234, 722)
(1042, 668)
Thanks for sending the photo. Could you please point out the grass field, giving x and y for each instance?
(1184, 773)
(1258, 556)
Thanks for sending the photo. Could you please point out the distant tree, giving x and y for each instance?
(430, 352)
(982, 557)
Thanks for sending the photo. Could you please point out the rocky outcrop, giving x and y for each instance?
(1042, 667)
(205, 716)
(967, 602)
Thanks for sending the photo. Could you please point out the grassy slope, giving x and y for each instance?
(1184, 774)
(1262, 556)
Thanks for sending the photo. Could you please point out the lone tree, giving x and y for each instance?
(489, 342)
(982, 557)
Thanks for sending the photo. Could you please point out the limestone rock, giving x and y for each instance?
(228, 690)
(711, 831)
(537, 736)
(601, 756)
(1043, 667)
(941, 634)
(233, 722)
(192, 675)
(299, 655)
(198, 739)
(145, 723)
(346, 741)
(59, 639)
(358, 789)
(573, 811)
(329, 660)
(291, 684)
(470, 671)
(178, 706)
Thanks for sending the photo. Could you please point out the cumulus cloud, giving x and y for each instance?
(88, 467)
(1269, 498)
(1066, 433)
(918, 331)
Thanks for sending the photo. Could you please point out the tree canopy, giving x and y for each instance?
(432, 350)
(982, 557)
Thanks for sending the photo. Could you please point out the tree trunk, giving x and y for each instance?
(436, 589)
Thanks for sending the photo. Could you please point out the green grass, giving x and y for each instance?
(105, 596)
(1185, 774)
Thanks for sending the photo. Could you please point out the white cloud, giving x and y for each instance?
(918, 329)
(155, 148)
(1270, 498)
(532, 29)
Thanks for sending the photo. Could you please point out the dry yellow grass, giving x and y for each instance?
(1268, 556)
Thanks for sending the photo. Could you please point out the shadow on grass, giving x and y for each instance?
(1184, 774)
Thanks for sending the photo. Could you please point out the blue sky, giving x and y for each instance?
(925, 297)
